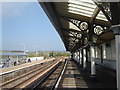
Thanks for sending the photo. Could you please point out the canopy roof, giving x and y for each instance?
(79, 22)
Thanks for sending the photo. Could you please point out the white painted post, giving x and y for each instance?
(74, 55)
(78, 56)
(96, 52)
(93, 69)
(80, 59)
(84, 58)
(104, 51)
(116, 29)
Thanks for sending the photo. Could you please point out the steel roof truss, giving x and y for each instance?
(104, 7)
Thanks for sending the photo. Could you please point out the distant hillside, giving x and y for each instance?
(11, 51)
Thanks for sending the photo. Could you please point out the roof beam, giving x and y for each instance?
(104, 40)
(104, 12)
(68, 19)
(68, 36)
(95, 13)
(68, 30)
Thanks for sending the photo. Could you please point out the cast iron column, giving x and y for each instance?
(92, 53)
(84, 58)
(116, 30)
(80, 59)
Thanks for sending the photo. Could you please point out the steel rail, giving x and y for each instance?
(49, 74)
(42, 68)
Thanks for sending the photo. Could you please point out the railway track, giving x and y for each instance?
(65, 74)
(28, 77)
(51, 79)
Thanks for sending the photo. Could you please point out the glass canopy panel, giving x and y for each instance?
(79, 13)
(84, 8)
(83, 3)
(80, 10)
(81, 7)
(87, 1)
(101, 16)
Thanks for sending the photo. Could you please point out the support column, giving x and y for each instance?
(102, 55)
(74, 56)
(80, 59)
(89, 54)
(84, 58)
(96, 52)
(93, 69)
(86, 55)
(78, 56)
(104, 51)
(116, 29)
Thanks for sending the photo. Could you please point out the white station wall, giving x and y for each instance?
(108, 55)
(110, 51)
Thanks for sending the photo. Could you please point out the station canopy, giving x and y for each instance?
(79, 22)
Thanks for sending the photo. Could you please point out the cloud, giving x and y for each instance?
(12, 9)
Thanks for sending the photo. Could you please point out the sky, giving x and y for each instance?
(26, 26)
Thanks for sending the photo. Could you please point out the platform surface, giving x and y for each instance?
(75, 77)
(28, 64)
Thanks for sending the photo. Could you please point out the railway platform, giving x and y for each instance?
(28, 64)
(15, 76)
(76, 77)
